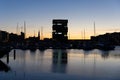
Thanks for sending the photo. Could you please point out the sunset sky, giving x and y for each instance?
(81, 15)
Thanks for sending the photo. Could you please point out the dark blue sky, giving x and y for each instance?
(80, 13)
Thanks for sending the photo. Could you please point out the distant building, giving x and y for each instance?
(108, 38)
(22, 36)
(17, 38)
(13, 37)
(60, 30)
(4, 36)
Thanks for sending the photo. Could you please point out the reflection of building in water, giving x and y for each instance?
(14, 56)
(59, 61)
(114, 54)
(105, 54)
(4, 67)
(59, 56)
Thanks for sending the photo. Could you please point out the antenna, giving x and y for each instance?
(19, 29)
(25, 29)
(94, 29)
(41, 33)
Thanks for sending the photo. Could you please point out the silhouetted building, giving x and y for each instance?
(4, 36)
(22, 36)
(108, 38)
(34, 39)
(13, 37)
(16, 38)
(60, 30)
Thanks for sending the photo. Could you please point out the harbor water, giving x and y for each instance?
(61, 64)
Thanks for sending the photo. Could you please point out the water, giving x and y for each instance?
(59, 64)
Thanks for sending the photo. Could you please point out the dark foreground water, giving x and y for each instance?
(61, 65)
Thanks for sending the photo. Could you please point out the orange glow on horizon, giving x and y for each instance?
(69, 37)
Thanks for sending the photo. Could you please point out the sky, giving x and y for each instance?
(81, 15)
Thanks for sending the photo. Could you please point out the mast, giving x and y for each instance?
(17, 31)
(81, 34)
(84, 34)
(41, 33)
(25, 29)
(21, 28)
(94, 29)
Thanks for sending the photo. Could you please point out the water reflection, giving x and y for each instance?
(7, 58)
(59, 61)
(29, 65)
(4, 67)
(105, 54)
(14, 53)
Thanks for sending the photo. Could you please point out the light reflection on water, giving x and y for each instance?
(59, 64)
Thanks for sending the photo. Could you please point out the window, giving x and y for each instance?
(59, 33)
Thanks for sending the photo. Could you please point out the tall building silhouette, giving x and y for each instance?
(60, 30)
